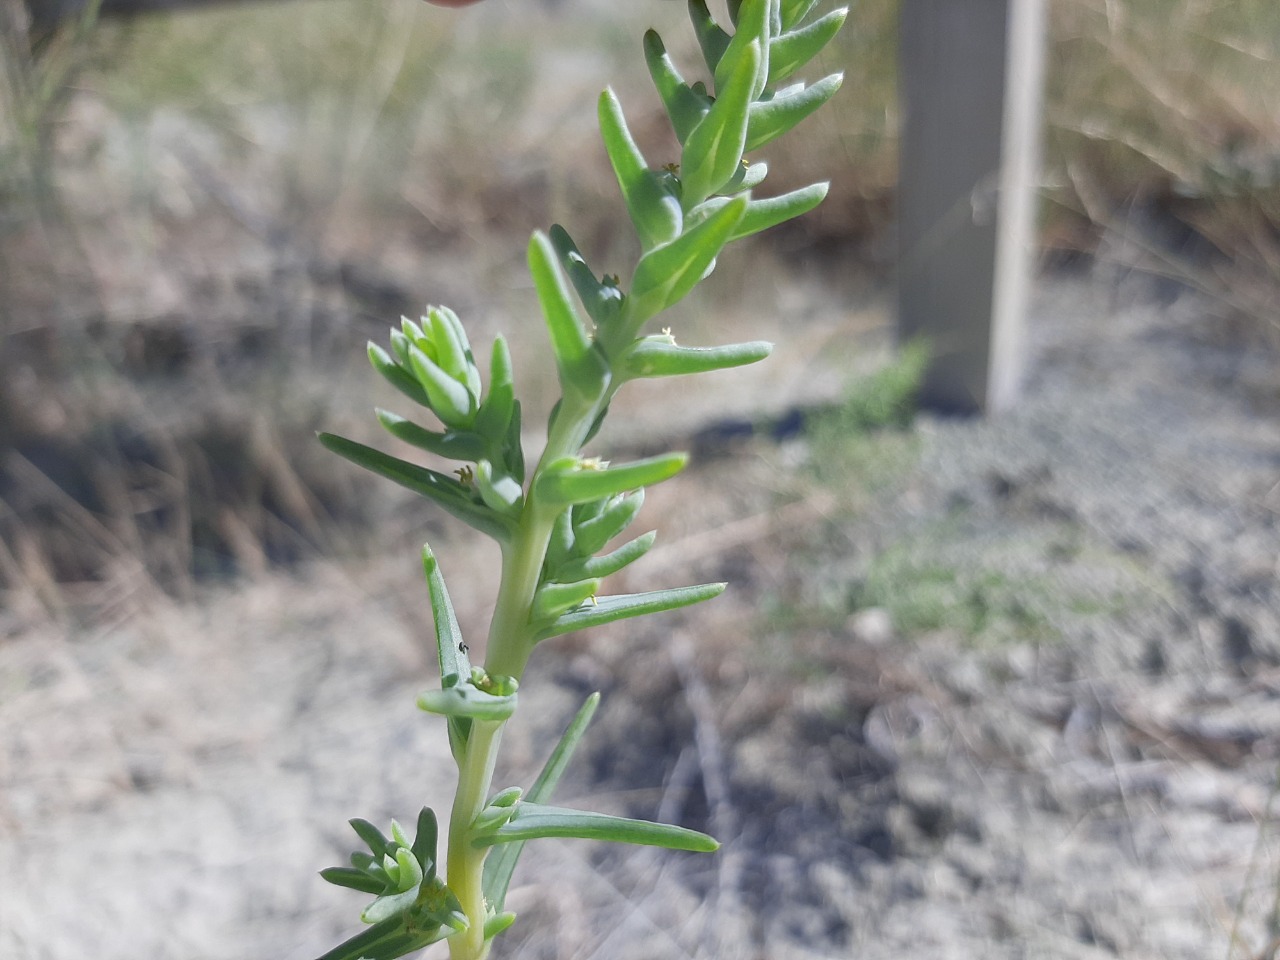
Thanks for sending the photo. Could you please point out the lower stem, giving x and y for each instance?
(465, 865)
(510, 643)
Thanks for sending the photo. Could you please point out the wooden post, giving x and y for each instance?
(971, 81)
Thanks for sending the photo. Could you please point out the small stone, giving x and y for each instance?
(872, 626)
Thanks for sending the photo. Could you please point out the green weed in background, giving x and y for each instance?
(553, 518)
(863, 442)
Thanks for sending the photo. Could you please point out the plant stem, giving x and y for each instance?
(510, 643)
(466, 863)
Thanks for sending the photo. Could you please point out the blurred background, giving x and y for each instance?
(974, 636)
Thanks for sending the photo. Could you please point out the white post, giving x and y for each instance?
(972, 78)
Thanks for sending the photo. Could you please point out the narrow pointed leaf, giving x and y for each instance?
(389, 906)
(794, 49)
(659, 357)
(453, 352)
(711, 38)
(749, 175)
(397, 376)
(453, 444)
(772, 118)
(451, 650)
(446, 491)
(582, 369)
(601, 300)
(494, 416)
(560, 548)
(625, 605)
(371, 835)
(653, 208)
(498, 922)
(368, 943)
(763, 214)
(534, 821)
(512, 450)
(591, 535)
(665, 275)
(713, 152)
(598, 568)
(450, 400)
(684, 107)
(794, 11)
(568, 482)
(353, 879)
(568, 336)
(553, 599)
(753, 27)
(425, 840)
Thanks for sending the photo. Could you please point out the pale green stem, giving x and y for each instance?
(465, 866)
(510, 643)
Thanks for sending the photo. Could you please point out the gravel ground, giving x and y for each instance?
(1016, 695)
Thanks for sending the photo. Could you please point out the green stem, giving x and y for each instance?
(465, 866)
(510, 643)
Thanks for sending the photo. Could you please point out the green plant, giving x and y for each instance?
(553, 522)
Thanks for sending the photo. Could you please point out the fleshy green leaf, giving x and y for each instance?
(653, 208)
(453, 444)
(666, 274)
(763, 214)
(625, 605)
(582, 369)
(598, 568)
(602, 300)
(748, 176)
(425, 840)
(535, 820)
(371, 835)
(446, 491)
(684, 107)
(570, 481)
(494, 416)
(791, 51)
(467, 701)
(451, 650)
(772, 118)
(498, 922)
(711, 38)
(659, 357)
(590, 535)
(453, 351)
(353, 879)
(794, 11)
(753, 27)
(553, 599)
(450, 399)
(713, 152)
(397, 376)
(500, 492)
(371, 944)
